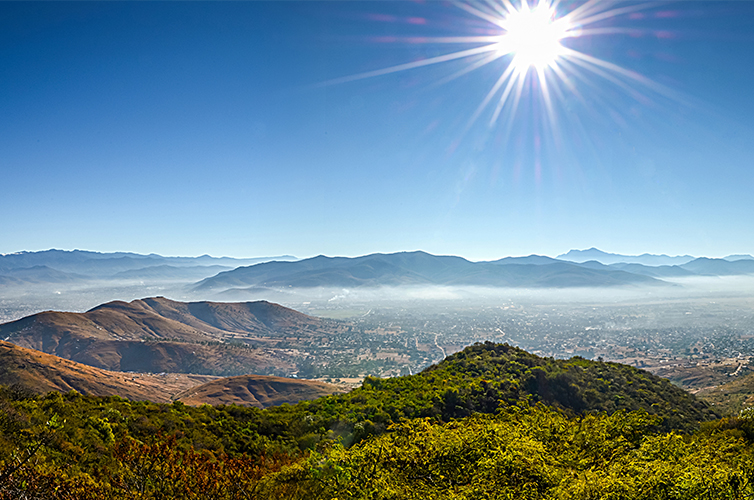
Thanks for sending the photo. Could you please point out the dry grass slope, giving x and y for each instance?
(158, 334)
(42, 373)
(256, 390)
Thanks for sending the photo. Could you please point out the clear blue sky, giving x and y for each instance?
(192, 128)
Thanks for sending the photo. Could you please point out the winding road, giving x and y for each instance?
(439, 347)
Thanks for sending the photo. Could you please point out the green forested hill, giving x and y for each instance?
(484, 377)
(598, 415)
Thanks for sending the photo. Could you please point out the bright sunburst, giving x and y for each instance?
(533, 36)
(527, 38)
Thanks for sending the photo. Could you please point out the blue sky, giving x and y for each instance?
(192, 128)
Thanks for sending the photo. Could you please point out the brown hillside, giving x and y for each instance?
(48, 330)
(40, 372)
(257, 318)
(175, 357)
(158, 334)
(256, 390)
(163, 319)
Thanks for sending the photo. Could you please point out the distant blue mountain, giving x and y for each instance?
(37, 274)
(418, 268)
(614, 258)
(591, 264)
(166, 272)
(739, 257)
(719, 267)
(536, 260)
(104, 265)
(655, 271)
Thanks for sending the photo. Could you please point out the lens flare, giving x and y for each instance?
(526, 41)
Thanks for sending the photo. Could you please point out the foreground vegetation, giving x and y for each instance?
(489, 422)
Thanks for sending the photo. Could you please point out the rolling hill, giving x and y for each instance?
(161, 319)
(162, 335)
(482, 378)
(41, 373)
(490, 421)
(35, 371)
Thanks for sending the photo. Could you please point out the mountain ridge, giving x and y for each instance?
(416, 268)
(607, 258)
(104, 265)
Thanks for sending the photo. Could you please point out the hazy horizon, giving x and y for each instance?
(297, 257)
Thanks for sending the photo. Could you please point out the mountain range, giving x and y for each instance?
(646, 259)
(421, 268)
(228, 278)
(613, 258)
(55, 266)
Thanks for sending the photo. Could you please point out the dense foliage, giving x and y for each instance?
(484, 377)
(531, 453)
(461, 429)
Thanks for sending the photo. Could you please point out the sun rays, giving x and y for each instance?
(525, 40)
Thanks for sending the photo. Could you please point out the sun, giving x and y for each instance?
(532, 36)
(524, 40)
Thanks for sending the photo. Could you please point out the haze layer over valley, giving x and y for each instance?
(690, 319)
